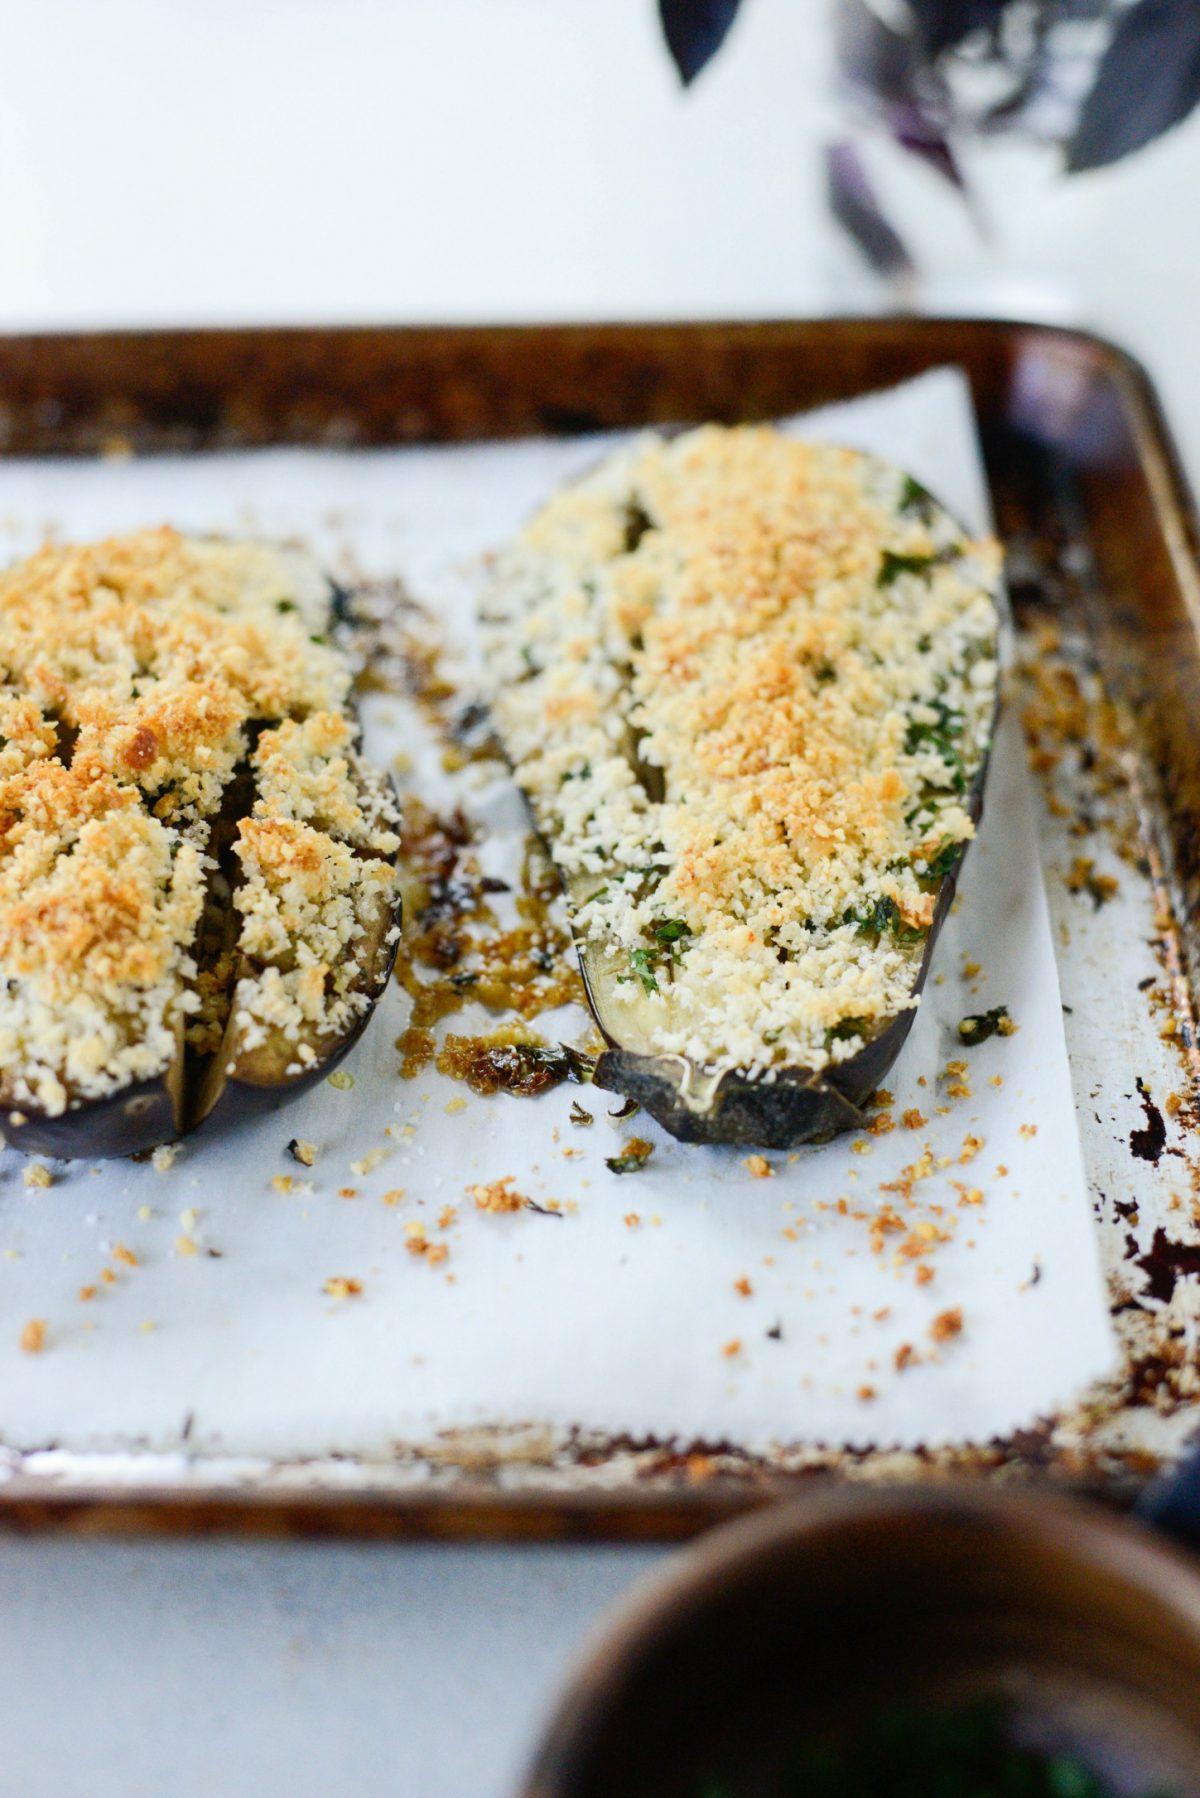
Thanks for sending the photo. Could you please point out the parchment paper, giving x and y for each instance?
(629, 1313)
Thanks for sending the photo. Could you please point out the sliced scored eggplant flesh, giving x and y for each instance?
(753, 734)
(160, 698)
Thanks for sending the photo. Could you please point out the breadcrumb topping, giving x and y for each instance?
(747, 683)
(136, 678)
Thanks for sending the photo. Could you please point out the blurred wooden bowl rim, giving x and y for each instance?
(878, 1576)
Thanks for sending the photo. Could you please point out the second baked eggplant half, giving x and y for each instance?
(748, 685)
(197, 893)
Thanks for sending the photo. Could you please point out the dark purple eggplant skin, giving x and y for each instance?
(799, 1106)
(129, 1122)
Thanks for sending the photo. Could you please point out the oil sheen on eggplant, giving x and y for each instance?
(748, 686)
(253, 917)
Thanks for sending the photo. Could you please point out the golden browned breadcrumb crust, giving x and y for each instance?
(136, 678)
(746, 683)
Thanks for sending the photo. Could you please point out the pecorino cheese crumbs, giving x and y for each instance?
(747, 684)
(139, 678)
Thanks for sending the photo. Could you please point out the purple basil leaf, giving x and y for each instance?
(921, 137)
(944, 24)
(876, 61)
(853, 204)
(695, 31)
(1149, 79)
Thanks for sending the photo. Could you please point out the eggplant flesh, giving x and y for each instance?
(240, 1076)
(694, 783)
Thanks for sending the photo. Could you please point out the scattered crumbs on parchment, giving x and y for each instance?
(447, 1217)
(881, 1125)
(882, 1315)
(860, 1146)
(743, 1287)
(997, 1080)
(497, 1195)
(284, 1183)
(338, 1286)
(184, 1245)
(347, 1192)
(632, 1220)
(946, 1325)
(971, 1146)
(144, 1213)
(924, 1274)
(913, 1119)
(759, 1166)
(453, 1106)
(732, 1347)
(1029, 1131)
(1081, 877)
(164, 1157)
(189, 1217)
(341, 1080)
(904, 1357)
(881, 1097)
(37, 1174)
(33, 1336)
(971, 969)
(367, 1163)
(124, 1255)
(866, 1394)
(109, 1277)
(87, 1294)
(393, 1195)
(968, 1195)
(147, 1326)
(303, 1152)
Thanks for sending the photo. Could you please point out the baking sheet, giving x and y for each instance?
(589, 1320)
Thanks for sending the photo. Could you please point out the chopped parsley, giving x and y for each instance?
(967, 1752)
(892, 565)
(635, 1155)
(884, 915)
(976, 1029)
(846, 1029)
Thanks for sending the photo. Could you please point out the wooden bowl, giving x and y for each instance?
(808, 1616)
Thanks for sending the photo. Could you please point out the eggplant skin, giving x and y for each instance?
(130, 1122)
(799, 1106)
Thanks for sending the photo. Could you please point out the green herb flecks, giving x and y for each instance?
(977, 1028)
(845, 1030)
(634, 1155)
(940, 735)
(902, 1751)
(917, 501)
(884, 915)
(892, 564)
(944, 858)
(644, 962)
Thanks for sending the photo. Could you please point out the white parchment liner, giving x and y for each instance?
(591, 1320)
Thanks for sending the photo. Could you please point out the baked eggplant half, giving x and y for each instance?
(198, 902)
(748, 686)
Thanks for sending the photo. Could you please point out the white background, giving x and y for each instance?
(258, 160)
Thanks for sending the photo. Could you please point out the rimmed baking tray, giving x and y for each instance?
(1102, 542)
